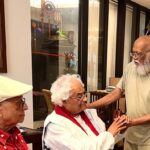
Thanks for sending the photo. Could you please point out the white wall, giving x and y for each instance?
(18, 47)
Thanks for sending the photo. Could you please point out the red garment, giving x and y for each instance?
(12, 140)
(61, 111)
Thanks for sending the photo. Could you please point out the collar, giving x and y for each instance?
(4, 136)
(63, 112)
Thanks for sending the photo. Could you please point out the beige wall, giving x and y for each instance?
(18, 43)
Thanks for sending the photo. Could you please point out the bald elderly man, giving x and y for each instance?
(135, 82)
(12, 112)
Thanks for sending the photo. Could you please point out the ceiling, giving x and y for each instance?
(145, 3)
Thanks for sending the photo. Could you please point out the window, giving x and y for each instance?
(54, 27)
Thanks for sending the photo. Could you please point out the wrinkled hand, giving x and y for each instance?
(128, 123)
(120, 124)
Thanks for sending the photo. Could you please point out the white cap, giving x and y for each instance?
(11, 88)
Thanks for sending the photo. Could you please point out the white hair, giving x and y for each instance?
(61, 88)
(144, 69)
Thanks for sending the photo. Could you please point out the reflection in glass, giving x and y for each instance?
(142, 23)
(93, 44)
(54, 28)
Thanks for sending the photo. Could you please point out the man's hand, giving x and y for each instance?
(120, 124)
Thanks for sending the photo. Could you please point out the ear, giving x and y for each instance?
(1, 113)
(1, 110)
(1, 119)
(64, 102)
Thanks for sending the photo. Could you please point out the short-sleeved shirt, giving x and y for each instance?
(137, 93)
(12, 140)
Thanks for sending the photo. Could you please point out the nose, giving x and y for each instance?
(85, 98)
(25, 106)
(135, 56)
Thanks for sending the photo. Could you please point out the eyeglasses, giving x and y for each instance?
(21, 102)
(80, 96)
(138, 54)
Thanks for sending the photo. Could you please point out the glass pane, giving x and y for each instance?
(93, 44)
(128, 32)
(111, 44)
(54, 26)
(142, 23)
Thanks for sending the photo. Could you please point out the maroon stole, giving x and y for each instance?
(63, 112)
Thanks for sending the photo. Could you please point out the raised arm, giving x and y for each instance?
(109, 98)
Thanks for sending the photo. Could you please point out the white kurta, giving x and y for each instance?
(63, 134)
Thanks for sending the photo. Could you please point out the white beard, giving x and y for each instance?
(143, 69)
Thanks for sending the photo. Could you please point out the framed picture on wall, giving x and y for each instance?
(3, 65)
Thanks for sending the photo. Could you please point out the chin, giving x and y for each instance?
(143, 70)
(82, 107)
(21, 119)
(78, 111)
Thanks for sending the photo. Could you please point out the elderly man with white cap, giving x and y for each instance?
(12, 112)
